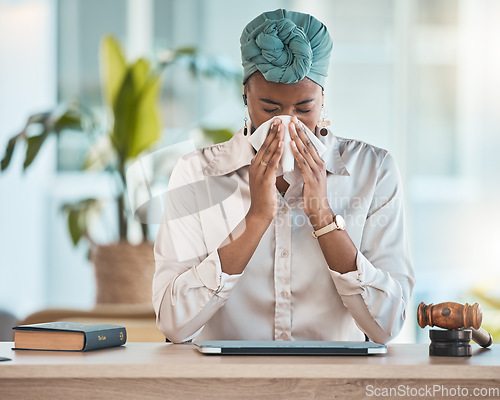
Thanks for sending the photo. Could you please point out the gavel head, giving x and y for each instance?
(450, 315)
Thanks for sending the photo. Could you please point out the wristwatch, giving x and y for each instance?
(337, 224)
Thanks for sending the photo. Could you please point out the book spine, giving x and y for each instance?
(105, 338)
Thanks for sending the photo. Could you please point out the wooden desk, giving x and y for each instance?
(167, 371)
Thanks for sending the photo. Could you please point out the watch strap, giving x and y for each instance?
(330, 227)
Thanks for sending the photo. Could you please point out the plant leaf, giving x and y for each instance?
(70, 119)
(218, 135)
(185, 50)
(137, 120)
(78, 217)
(75, 230)
(148, 125)
(113, 68)
(41, 118)
(50, 122)
(124, 109)
(9, 151)
(34, 143)
(140, 70)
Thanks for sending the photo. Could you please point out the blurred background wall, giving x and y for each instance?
(417, 77)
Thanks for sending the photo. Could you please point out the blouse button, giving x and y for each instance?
(284, 254)
(284, 336)
(284, 294)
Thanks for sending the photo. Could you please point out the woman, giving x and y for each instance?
(235, 255)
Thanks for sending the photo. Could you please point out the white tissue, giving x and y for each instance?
(287, 161)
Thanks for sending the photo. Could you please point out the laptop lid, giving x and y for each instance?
(298, 347)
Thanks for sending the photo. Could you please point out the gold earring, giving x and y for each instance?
(323, 123)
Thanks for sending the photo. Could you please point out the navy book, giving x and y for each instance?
(68, 336)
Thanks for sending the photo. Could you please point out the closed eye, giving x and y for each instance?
(303, 111)
(270, 110)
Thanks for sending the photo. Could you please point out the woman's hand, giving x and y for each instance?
(262, 175)
(313, 170)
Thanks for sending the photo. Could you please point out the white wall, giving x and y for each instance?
(27, 82)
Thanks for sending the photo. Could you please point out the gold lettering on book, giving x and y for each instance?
(101, 337)
(121, 335)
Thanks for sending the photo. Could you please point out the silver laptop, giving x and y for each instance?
(308, 348)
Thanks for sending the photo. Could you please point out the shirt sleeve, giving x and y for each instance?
(378, 292)
(189, 285)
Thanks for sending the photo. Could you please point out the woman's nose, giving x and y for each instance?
(290, 111)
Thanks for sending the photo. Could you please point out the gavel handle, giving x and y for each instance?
(481, 337)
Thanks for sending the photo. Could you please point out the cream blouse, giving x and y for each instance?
(287, 291)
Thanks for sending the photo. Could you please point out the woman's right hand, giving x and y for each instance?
(262, 177)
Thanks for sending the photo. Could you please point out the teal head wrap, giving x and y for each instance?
(286, 46)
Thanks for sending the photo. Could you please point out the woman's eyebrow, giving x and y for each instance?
(270, 102)
(304, 102)
(279, 104)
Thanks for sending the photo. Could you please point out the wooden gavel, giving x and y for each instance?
(451, 315)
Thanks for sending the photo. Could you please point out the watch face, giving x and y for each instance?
(339, 221)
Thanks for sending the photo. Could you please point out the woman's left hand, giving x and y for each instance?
(312, 166)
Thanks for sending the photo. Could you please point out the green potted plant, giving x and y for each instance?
(131, 93)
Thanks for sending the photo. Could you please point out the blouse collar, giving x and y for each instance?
(238, 152)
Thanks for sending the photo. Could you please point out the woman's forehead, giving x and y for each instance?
(304, 88)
